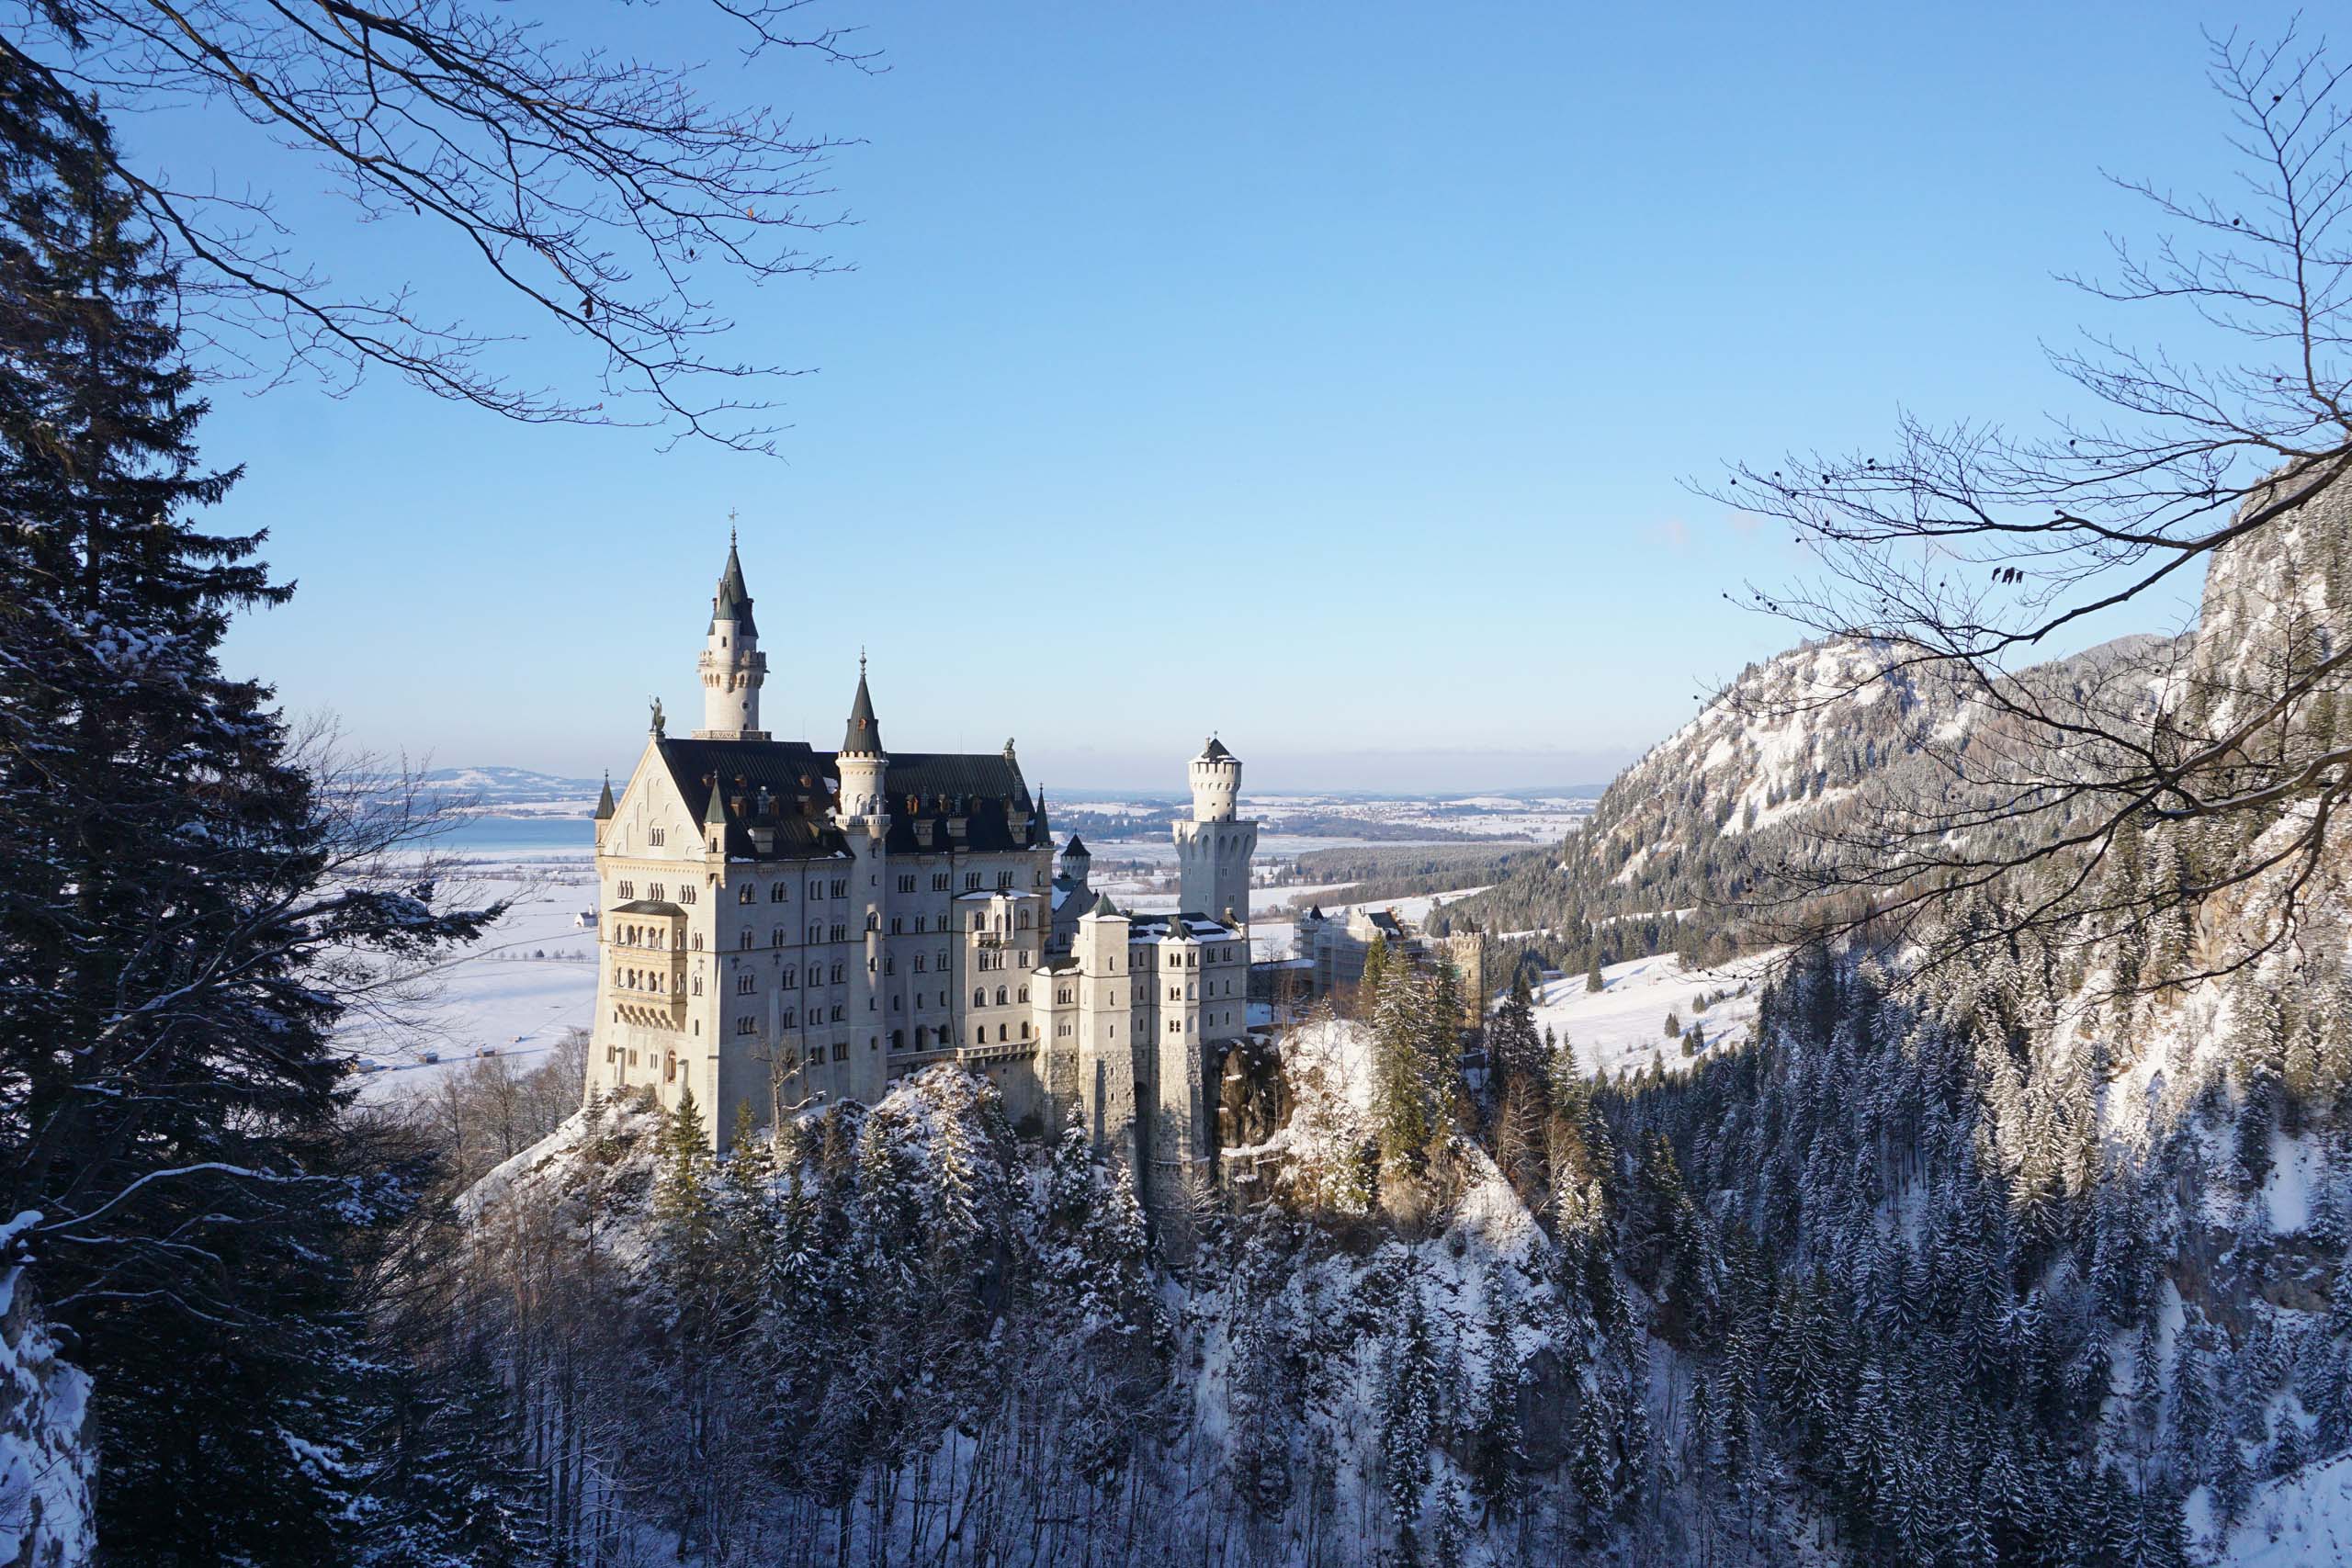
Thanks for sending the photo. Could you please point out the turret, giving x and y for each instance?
(714, 818)
(605, 809)
(1216, 783)
(732, 666)
(862, 761)
(1076, 861)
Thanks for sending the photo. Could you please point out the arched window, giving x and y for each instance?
(1000, 1032)
(1022, 919)
(898, 1040)
(980, 1035)
(980, 997)
(745, 893)
(1000, 995)
(777, 893)
(1024, 993)
(1025, 1032)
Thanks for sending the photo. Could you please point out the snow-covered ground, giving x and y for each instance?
(1622, 1026)
(514, 993)
(2300, 1518)
(1535, 820)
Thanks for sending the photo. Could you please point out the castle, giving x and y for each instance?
(781, 926)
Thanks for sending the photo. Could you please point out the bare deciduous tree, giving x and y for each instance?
(1968, 552)
(602, 193)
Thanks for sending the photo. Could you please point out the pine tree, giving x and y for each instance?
(450, 1489)
(1494, 1447)
(1593, 979)
(1407, 1119)
(1449, 1546)
(171, 880)
(1408, 1420)
(684, 1210)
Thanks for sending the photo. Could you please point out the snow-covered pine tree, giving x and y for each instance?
(1494, 1443)
(1409, 1418)
(183, 905)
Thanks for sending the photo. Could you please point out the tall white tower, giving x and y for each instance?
(733, 665)
(862, 814)
(1213, 850)
(863, 762)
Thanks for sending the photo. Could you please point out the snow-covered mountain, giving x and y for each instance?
(1682, 846)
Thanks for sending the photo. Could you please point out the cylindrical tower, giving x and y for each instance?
(732, 666)
(1213, 850)
(1216, 783)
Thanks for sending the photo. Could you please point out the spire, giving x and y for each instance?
(1042, 832)
(604, 800)
(1076, 847)
(714, 815)
(864, 736)
(733, 599)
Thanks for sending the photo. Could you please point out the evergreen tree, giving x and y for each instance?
(181, 905)
(450, 1489)
(1449, 1543)
(1495, 1446)
(1376, 973)
(1408, 1420)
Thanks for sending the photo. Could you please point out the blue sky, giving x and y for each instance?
(1384, 335)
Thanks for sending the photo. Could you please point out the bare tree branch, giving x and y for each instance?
(603, 194)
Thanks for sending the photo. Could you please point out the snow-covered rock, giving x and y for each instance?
(48, 1464)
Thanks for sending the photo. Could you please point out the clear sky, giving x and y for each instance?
(1325, 374)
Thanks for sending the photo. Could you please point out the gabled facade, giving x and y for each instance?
(780, 926)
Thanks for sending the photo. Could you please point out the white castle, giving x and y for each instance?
(781, 925)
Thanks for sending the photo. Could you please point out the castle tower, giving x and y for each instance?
(732, 666)
(862, 814)
(1213, 850)
(1106, 1055)
(863, 762)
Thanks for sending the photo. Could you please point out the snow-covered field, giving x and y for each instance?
(514, 993)
(1480, 816)
(1623, 1027)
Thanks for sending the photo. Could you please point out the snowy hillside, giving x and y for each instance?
(1705, 822)
(1621, 1028)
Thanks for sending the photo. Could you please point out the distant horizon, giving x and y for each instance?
(1586, 787)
